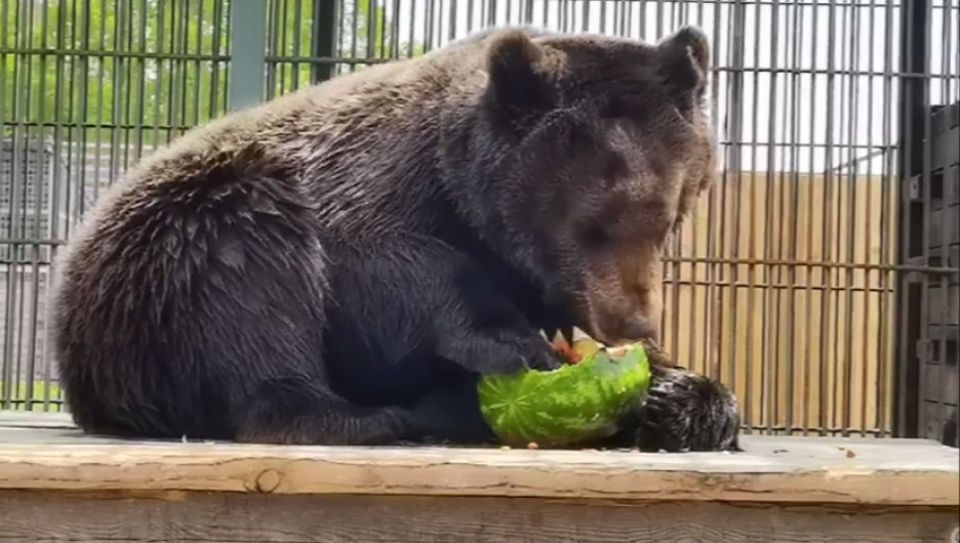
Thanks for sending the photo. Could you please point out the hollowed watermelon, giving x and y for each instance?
(570, 405)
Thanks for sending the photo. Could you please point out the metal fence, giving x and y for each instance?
(785, 284)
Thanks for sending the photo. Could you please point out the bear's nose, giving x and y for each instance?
(628, 329)
(640, 328)
(637, 328)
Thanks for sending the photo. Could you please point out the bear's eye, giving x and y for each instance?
(614, 170)
(595, 235)
(625, 106)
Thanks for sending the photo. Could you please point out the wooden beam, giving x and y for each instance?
(772, 470)
(35, 516)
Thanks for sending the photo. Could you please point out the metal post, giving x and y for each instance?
(325, 38)
(914, 91)
(248, 44)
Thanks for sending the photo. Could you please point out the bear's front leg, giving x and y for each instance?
(487, 334)
(414, 297)
(505, 350)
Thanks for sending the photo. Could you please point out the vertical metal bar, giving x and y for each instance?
(913, 92)
(354, 31)
(116, 106)
(428, 24)
(603, 19)
(395, 26)
(851, 181)
(771, 296)
(99, 107)
(198, 72)
(43, 185)
(887, 196)
(84, 113)
(452, 22)
(411, 24)
(928, 348)
(383, 30)
(371, 24)
(8, 387)
(293, 43)
(734, 161)
(868, 236)
(826, 331)
(158, 85)
(836, 168)
(811, 172)
(297, 44)
(247, 53)
(325, 37)
(697, 350)
(752, 239)
(55, 197)
(125, 43)
(793, 231)
(713, 303)
(561, 14)
(274, 46)
(659, 15)
(470, 10)
(183, 100)
(218, 94)
(172, 88)
(142, 81)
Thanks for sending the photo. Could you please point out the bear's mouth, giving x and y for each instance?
(568, 333)
(551, 332)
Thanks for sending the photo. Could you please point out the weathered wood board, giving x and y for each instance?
(32, 516)
(59, 484)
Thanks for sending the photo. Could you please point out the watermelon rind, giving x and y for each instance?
(566, 406)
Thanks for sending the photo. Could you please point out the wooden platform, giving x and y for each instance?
(58, 484)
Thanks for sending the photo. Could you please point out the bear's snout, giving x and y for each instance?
(615, 329)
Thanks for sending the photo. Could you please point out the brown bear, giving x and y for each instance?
(337, 266)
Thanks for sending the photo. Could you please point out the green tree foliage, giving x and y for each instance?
(142, 71)
(149, 67)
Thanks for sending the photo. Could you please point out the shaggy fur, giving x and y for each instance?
(339, 265)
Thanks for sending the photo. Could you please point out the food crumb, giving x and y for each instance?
(851, 454)
(505, 448)
(533, 445)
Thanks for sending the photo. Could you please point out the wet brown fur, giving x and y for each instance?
(315, 269)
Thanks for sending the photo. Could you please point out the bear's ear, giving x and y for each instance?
(685, 60)
(512, 64)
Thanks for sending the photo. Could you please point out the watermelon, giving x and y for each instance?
(573, 404)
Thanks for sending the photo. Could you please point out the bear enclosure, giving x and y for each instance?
(818, 278)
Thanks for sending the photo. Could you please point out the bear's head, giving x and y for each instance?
(575, 156)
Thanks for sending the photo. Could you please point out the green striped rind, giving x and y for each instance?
(566, 406)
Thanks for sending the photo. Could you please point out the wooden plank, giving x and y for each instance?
(33, 419)
(773, 469)
(32, 516)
